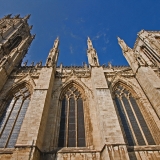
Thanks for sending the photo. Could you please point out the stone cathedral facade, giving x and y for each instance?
(92, 112)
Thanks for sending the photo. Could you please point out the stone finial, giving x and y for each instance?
(30, 27)
(27, 17)
(25, 63)
(32, 64)
(33, 36)
(89, 42)
(123, 45)
(56, 43)
(110, 65)
(17, 16)
(40, 64)
(8, 16)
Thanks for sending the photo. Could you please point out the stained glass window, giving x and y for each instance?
(12, 117)
(72, 130)
(133, 122)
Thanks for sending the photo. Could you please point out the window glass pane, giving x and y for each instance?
(7, 130)
(136, 119)
(18, 124)
(71, 124)
(80, 123)
(125, 124)
(142, 122)
(133, 121)
(63, 121)
(5, 114)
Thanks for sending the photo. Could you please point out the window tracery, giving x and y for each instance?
(72, 128)
(12, 116)
(134, 125)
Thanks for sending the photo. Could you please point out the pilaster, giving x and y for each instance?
(110, 130)
(34, 123)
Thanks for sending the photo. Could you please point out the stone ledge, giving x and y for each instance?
(7, 150)
(143, 148)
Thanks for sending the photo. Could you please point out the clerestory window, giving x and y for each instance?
(12, 117)
(134, 125)
(72, 129)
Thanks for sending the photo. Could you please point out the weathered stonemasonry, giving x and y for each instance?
(90, 112)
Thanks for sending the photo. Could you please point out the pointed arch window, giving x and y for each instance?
(72, 129)
(134, 125)
(12, 117)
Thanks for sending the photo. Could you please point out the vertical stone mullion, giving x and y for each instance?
(58, 122)
(128, 121)
(67, 131)
(137, 121)
(76, 122)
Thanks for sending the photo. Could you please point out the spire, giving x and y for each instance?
(56, 43)
(53, 54)
(92, 54)
(123, 45)
(89, 42)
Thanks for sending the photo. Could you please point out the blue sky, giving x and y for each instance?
(74, 20)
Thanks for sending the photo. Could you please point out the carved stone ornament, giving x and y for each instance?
(140, 60)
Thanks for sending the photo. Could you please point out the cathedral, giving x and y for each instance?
(89, 112)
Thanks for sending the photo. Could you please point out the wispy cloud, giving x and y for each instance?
(102, 34)
(104, 48)
(74, 36)
(71, 49)
(80, 20)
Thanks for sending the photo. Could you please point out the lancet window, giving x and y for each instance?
(134, 125)
(72, 129)
(12, 117)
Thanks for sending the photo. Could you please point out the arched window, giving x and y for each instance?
(134, 125)
(16, 41)
(12, 117)
(72, 130)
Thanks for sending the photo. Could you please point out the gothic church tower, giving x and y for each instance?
(15, 38)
